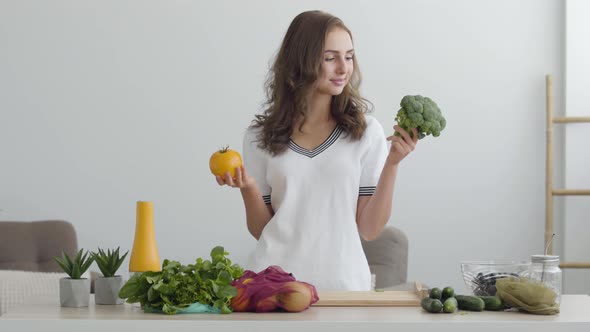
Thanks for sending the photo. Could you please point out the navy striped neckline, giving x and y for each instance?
(319, 149)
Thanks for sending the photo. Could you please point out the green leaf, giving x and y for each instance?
(86, 264)
(168, 309)
(206, 266)
(131, 287)
(227, 291)
(69, 263)
(165, 298)
(171, 266)
(153, 279)
(224, 278)
(63, 264)
(236, 271)
(76, 270)
(152, 294)
(218, 251)
(167, 289)
(108, 262)
(78, 255)
(225, 309)
(120, 261)
(215, 289)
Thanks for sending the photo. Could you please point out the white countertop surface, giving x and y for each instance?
(48, 315)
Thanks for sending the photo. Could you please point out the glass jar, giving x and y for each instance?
(545, 268)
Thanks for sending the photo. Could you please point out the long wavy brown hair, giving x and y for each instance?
(295, 70)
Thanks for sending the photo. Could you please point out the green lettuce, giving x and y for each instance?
(178, 286)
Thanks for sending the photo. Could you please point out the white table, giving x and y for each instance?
(49, 316)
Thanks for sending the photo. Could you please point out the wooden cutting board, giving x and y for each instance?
(370, 298)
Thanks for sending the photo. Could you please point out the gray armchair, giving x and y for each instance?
(31, 246)
(388, 257)
(26, 259)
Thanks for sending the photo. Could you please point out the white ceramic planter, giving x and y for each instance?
(106, 290)
(74, 292)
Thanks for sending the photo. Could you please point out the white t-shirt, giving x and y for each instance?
(314, 194)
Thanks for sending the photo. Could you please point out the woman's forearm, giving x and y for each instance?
(258, 214)
(377, 210)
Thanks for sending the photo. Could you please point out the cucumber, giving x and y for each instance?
(492, 303)
(431, 305)
(435, 293)
(447, 292)
(470, 303)
(450, 305)
(436, 305)
(425, 303)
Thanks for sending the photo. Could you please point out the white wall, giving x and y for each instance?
(577, 208)
(106, 103)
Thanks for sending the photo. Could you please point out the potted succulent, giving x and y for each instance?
(75, 290)
(106, 288)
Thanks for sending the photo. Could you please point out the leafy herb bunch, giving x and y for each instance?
(177, 286)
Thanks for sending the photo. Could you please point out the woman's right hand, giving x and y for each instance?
(242, 180)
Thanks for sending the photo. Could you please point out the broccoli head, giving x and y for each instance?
(421, 113)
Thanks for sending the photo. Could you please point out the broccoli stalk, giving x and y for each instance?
(421, 113)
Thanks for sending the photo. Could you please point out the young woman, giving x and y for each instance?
(317, 171)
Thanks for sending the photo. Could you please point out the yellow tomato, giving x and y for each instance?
(225, 160)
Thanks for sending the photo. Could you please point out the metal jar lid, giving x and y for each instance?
(544, 258)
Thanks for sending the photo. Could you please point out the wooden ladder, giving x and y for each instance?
(550, 191)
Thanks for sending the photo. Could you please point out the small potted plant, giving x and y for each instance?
(75, 290)
(106, 288)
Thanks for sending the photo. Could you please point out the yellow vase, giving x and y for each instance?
(144, 255)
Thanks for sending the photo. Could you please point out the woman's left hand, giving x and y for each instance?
(402, 145)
